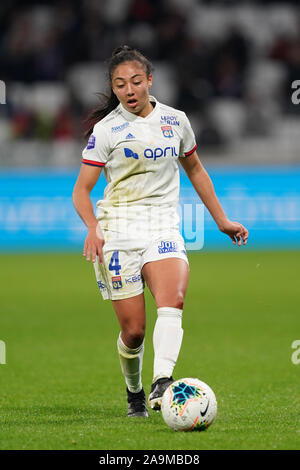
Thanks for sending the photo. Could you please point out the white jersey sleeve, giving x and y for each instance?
(188, 142)
(98, 147)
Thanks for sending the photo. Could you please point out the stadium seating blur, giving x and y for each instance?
(228, 64)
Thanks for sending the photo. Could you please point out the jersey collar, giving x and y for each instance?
(132, 117)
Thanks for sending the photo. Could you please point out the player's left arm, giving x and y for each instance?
(205, 189)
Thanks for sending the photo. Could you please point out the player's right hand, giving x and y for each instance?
(93, 244)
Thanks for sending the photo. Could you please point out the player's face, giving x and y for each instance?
(131, 84)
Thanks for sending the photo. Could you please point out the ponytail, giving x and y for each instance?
(110, 102)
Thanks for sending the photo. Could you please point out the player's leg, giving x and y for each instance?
(119, 279)
(131, 316)
(167, 280)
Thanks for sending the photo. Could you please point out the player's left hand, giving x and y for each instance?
(236, 231)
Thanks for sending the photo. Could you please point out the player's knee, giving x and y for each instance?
(179, 301)
(174, 301)
(134, 336)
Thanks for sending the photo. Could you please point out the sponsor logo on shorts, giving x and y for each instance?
(167, 247)
(167, 131)
(120, 128)
(132, 279)
(101, 285)
(170, 120)
(116, 282)
(91, 142)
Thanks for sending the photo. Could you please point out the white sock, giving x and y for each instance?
(131, 361)
(167, 339)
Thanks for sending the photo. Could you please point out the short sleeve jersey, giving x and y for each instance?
(140, 155)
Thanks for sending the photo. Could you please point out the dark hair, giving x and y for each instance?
(109, 102)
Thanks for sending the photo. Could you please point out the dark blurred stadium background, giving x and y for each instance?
(229, 65)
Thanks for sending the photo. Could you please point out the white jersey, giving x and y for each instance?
(140, 160)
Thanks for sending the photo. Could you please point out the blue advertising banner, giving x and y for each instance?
(36, 211)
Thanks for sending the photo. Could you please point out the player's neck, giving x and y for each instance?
(147, 109)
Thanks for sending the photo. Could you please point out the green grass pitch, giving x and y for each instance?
(61, 386)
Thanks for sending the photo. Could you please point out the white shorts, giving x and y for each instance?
(120, 276)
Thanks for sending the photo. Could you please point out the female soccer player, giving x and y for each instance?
(135, 237)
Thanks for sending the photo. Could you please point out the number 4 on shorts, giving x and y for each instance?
(114, 263)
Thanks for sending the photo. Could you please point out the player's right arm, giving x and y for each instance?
(87, 178)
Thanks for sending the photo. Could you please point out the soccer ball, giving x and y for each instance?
(189, 405)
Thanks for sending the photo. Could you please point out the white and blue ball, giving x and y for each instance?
(189, 405)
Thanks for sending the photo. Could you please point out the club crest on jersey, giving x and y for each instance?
(116, 282)
(167, 131)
